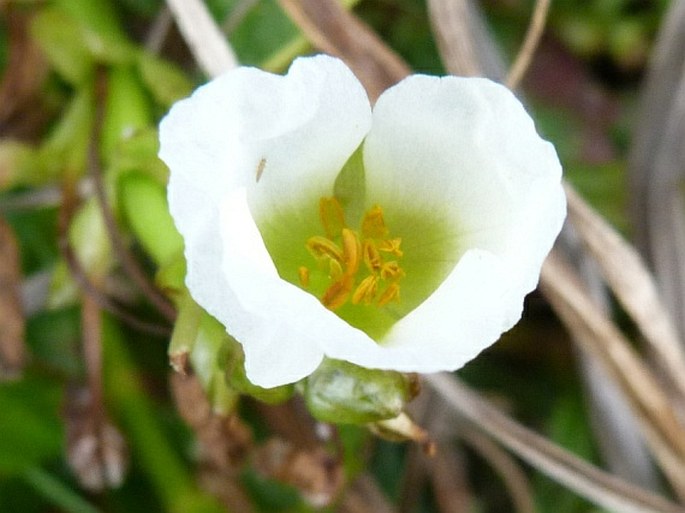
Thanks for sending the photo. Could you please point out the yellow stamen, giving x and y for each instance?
(335, 270)
(321, 247)
(373, 224)
(336, 295)
(391, 271)
(392, 293)
(351, 251)
(372, 258)
(342, 250)
(332, 216)
(303, 272)
(366, 291)
(391, 246)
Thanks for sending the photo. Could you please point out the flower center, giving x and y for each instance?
(341, 252)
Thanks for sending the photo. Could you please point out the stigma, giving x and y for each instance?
(362, 266)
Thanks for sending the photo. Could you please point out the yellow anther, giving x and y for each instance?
(332, 216)
(392, 293)
(391, 246)
(391, 271)
(372, 258)
(303, 272)
(351, 251)
(335, 270)
(336, 295)
(373, 224)
(321, 247)
(342, 251)
(366, 291)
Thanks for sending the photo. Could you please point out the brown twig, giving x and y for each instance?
(633, 285)
(530, 44)
(336, 31)
(80, 276)
(506, 467)
(585, 479)
(126, 258)
(12, 324)
(598, 335)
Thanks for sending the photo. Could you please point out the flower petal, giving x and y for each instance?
(463, 155)
(279, 141)
(279, 325)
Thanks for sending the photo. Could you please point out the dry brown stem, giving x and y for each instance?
(12, 326)
(336, 31)
(634, 286)
(530, 43)
(463, 40)
(506, 467)
(585, 479)
(131, 266)
(600, 337)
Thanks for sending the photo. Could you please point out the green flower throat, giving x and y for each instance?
(363, 266)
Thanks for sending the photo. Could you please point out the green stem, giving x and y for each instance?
(173, 482)
(57, 492)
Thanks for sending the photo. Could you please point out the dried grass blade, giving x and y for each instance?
(600, 337)
(334, 30)
(206, 41)
(626, 273)
(463, 40)
(530, 43)
(585, 479)
(657, 164)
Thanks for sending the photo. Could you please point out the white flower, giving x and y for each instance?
(423, 247)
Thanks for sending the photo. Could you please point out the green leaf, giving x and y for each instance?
(61, 39)
(31, 430)
(165, 81)
(144, 204)
(101, 30)
(127, 110)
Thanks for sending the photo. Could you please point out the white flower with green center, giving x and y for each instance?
(403, 237)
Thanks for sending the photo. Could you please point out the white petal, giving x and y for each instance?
(462, 151)
(280, 326)
(293, 133)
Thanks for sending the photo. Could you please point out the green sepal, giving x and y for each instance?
(209, 354)
(344, 393)
(127, 110)
(18, 164)
(185, 333)
(172, 274)
(64, 153)
(237, 379)
(92, 248)
(139, 153)
(100, 29)
(60, 39)
(144, 205)
(165, 81)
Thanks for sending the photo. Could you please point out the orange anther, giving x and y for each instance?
(391, 246)
(336, 295)
(392, 293)
(351, 251)
(366, 291)
(373, 224)
(321, 247)
(303, 272)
